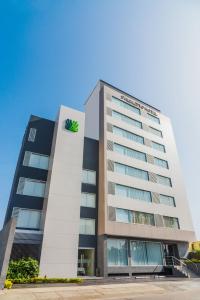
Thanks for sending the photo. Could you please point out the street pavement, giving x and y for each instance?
(187, 289)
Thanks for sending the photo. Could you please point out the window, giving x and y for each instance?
(167, 200)
(32, 135)
(125, 105)
(163, 180)
(144, 218)
(129, 152)
(123, 215)
(36, 160)
(87, 226)
(155, 131)
(117, 252)
(126, 119)
(153, 118)
(127, 170)
(146, 253)
(89, 176)
(171, 222)
(31, 187)
(158, 147)
(160, 162)
(133, 193)
(28, 218)
(88, 200)
(128, 135)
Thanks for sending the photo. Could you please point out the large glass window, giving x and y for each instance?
(125, 105)
(28, 218)
(127, 170)
(167, 200)
(126, 119)
(117, 252)
(36, 160)
(123, 215)
(144, 218)
(171, 222)
(158, 147)
(146, 253)
(31, 187)
(160, 162)
(88, 200)
(129, 152)
(133, 193)
(153, 118)
(128, 135)
(163, 180)
(87, 226)
(155, 131)
(138, 253)
(89, 176)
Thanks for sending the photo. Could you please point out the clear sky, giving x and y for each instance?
(53, 52)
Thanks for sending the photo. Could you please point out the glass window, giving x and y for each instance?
(123, 215)
(31, 187)
(146, 253)
(88, 200)
(125, 105)
(28, 218)
(163, 180)
(171, 222)
(154, 253)
(89, 176)
(167, 200)
(153, 118)
(130, 152)
(36, 160)
(133, 193)
(126, 119)
(144, 218)
(117, 252)
(32, 135)
(155, 131)
(127, 170)
(138, 253)
(87, 226)
(128, 135)
(160, 162)
(158, 147)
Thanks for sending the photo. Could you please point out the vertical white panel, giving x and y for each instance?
(61, 226)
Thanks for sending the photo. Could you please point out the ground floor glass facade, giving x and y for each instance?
(141, 252)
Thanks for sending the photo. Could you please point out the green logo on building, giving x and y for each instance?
(71, 125)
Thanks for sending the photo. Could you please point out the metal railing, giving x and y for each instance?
(175, 262)
(196, 268)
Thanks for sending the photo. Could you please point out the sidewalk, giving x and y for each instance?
(107, 292)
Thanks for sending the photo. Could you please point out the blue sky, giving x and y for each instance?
(53, 52)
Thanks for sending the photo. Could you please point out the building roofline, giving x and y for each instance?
(121, 91)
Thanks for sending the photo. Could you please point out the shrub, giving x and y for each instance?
(46, 280)
(23, 268)
(8, 284)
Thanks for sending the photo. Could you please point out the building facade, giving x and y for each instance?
(101, 192)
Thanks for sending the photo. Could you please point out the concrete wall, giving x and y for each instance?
(92, 114)
(6, 242)
(181, 211)
(61, 226)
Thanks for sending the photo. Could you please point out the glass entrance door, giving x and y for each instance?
(86, 262)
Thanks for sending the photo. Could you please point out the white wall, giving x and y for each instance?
(61, 226)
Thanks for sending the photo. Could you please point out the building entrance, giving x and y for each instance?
(86, 262)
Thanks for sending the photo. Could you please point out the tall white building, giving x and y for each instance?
(100, 192)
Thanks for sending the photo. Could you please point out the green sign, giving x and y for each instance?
(71, 125)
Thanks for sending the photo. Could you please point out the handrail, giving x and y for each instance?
(182, 264)
(187, 259)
